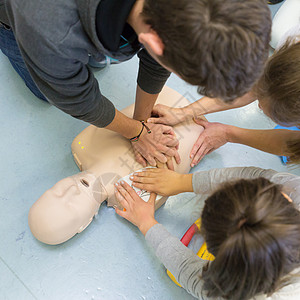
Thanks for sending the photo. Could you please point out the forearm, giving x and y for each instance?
(185, 183)
(125, 126)
(272, 141)
(208, 105)
(185, 265)
(144, 103)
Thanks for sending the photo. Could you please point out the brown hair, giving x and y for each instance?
(280, 85)
(220, 46)
(254, 233)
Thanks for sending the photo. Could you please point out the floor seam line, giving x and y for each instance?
(12, 271)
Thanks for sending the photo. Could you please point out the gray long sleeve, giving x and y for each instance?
(206, 182)
(185, 265)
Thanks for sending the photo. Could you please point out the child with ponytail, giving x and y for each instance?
(250, 222)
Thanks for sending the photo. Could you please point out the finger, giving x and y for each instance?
(170, 141)
(167, 129)
(150, 159)
(173, 153)
(199, 155)
(177, 158)
(123, 202)
(139, 158)
(160, 157)
(201, 122)
(143, 186)
(155, 110)
(210, 151)
(123, 192)
(152, 198)
(197, 145)
(160, 165)
(159, 109)
(121, 213)
(138, 179)
(149, 172)
(155, 120)
(129, 190)
(170, 164)
(170, 151)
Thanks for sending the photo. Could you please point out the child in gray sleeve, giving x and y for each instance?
(250, 222)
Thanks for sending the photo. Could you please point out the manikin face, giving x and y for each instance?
(67, 208)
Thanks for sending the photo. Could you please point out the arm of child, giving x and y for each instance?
(162, 181)
(181, 261)
(215, 135)
(166, 182)
(172, 116)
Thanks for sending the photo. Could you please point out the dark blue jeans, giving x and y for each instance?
(9, 47)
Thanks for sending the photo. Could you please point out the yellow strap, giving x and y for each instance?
(204, 254)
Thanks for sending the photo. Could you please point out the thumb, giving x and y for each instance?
(201, 122)
(152, 198)
(153, 120)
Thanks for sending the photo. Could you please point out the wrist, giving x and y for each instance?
(180, 113)
(145, 129)
(188, 112)
(185, 183)
(135, 128)
(146, 225)
(230, 133)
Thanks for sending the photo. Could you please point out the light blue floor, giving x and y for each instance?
(110, 259)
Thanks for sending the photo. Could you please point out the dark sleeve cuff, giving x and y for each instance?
(106, 113)
(152, 76)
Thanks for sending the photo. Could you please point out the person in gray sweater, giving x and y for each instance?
(220, 46)
(250, 222)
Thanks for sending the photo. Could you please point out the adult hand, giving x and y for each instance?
(162, 181)
(167, 115)
(213, 137)
(136, 210)
(157, 145)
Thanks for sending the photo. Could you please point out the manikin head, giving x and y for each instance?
(220, 46)
(67, 208)
(254, 233)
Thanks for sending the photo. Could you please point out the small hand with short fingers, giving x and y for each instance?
(136, 210)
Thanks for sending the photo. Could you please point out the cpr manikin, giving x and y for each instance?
(104, 157)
